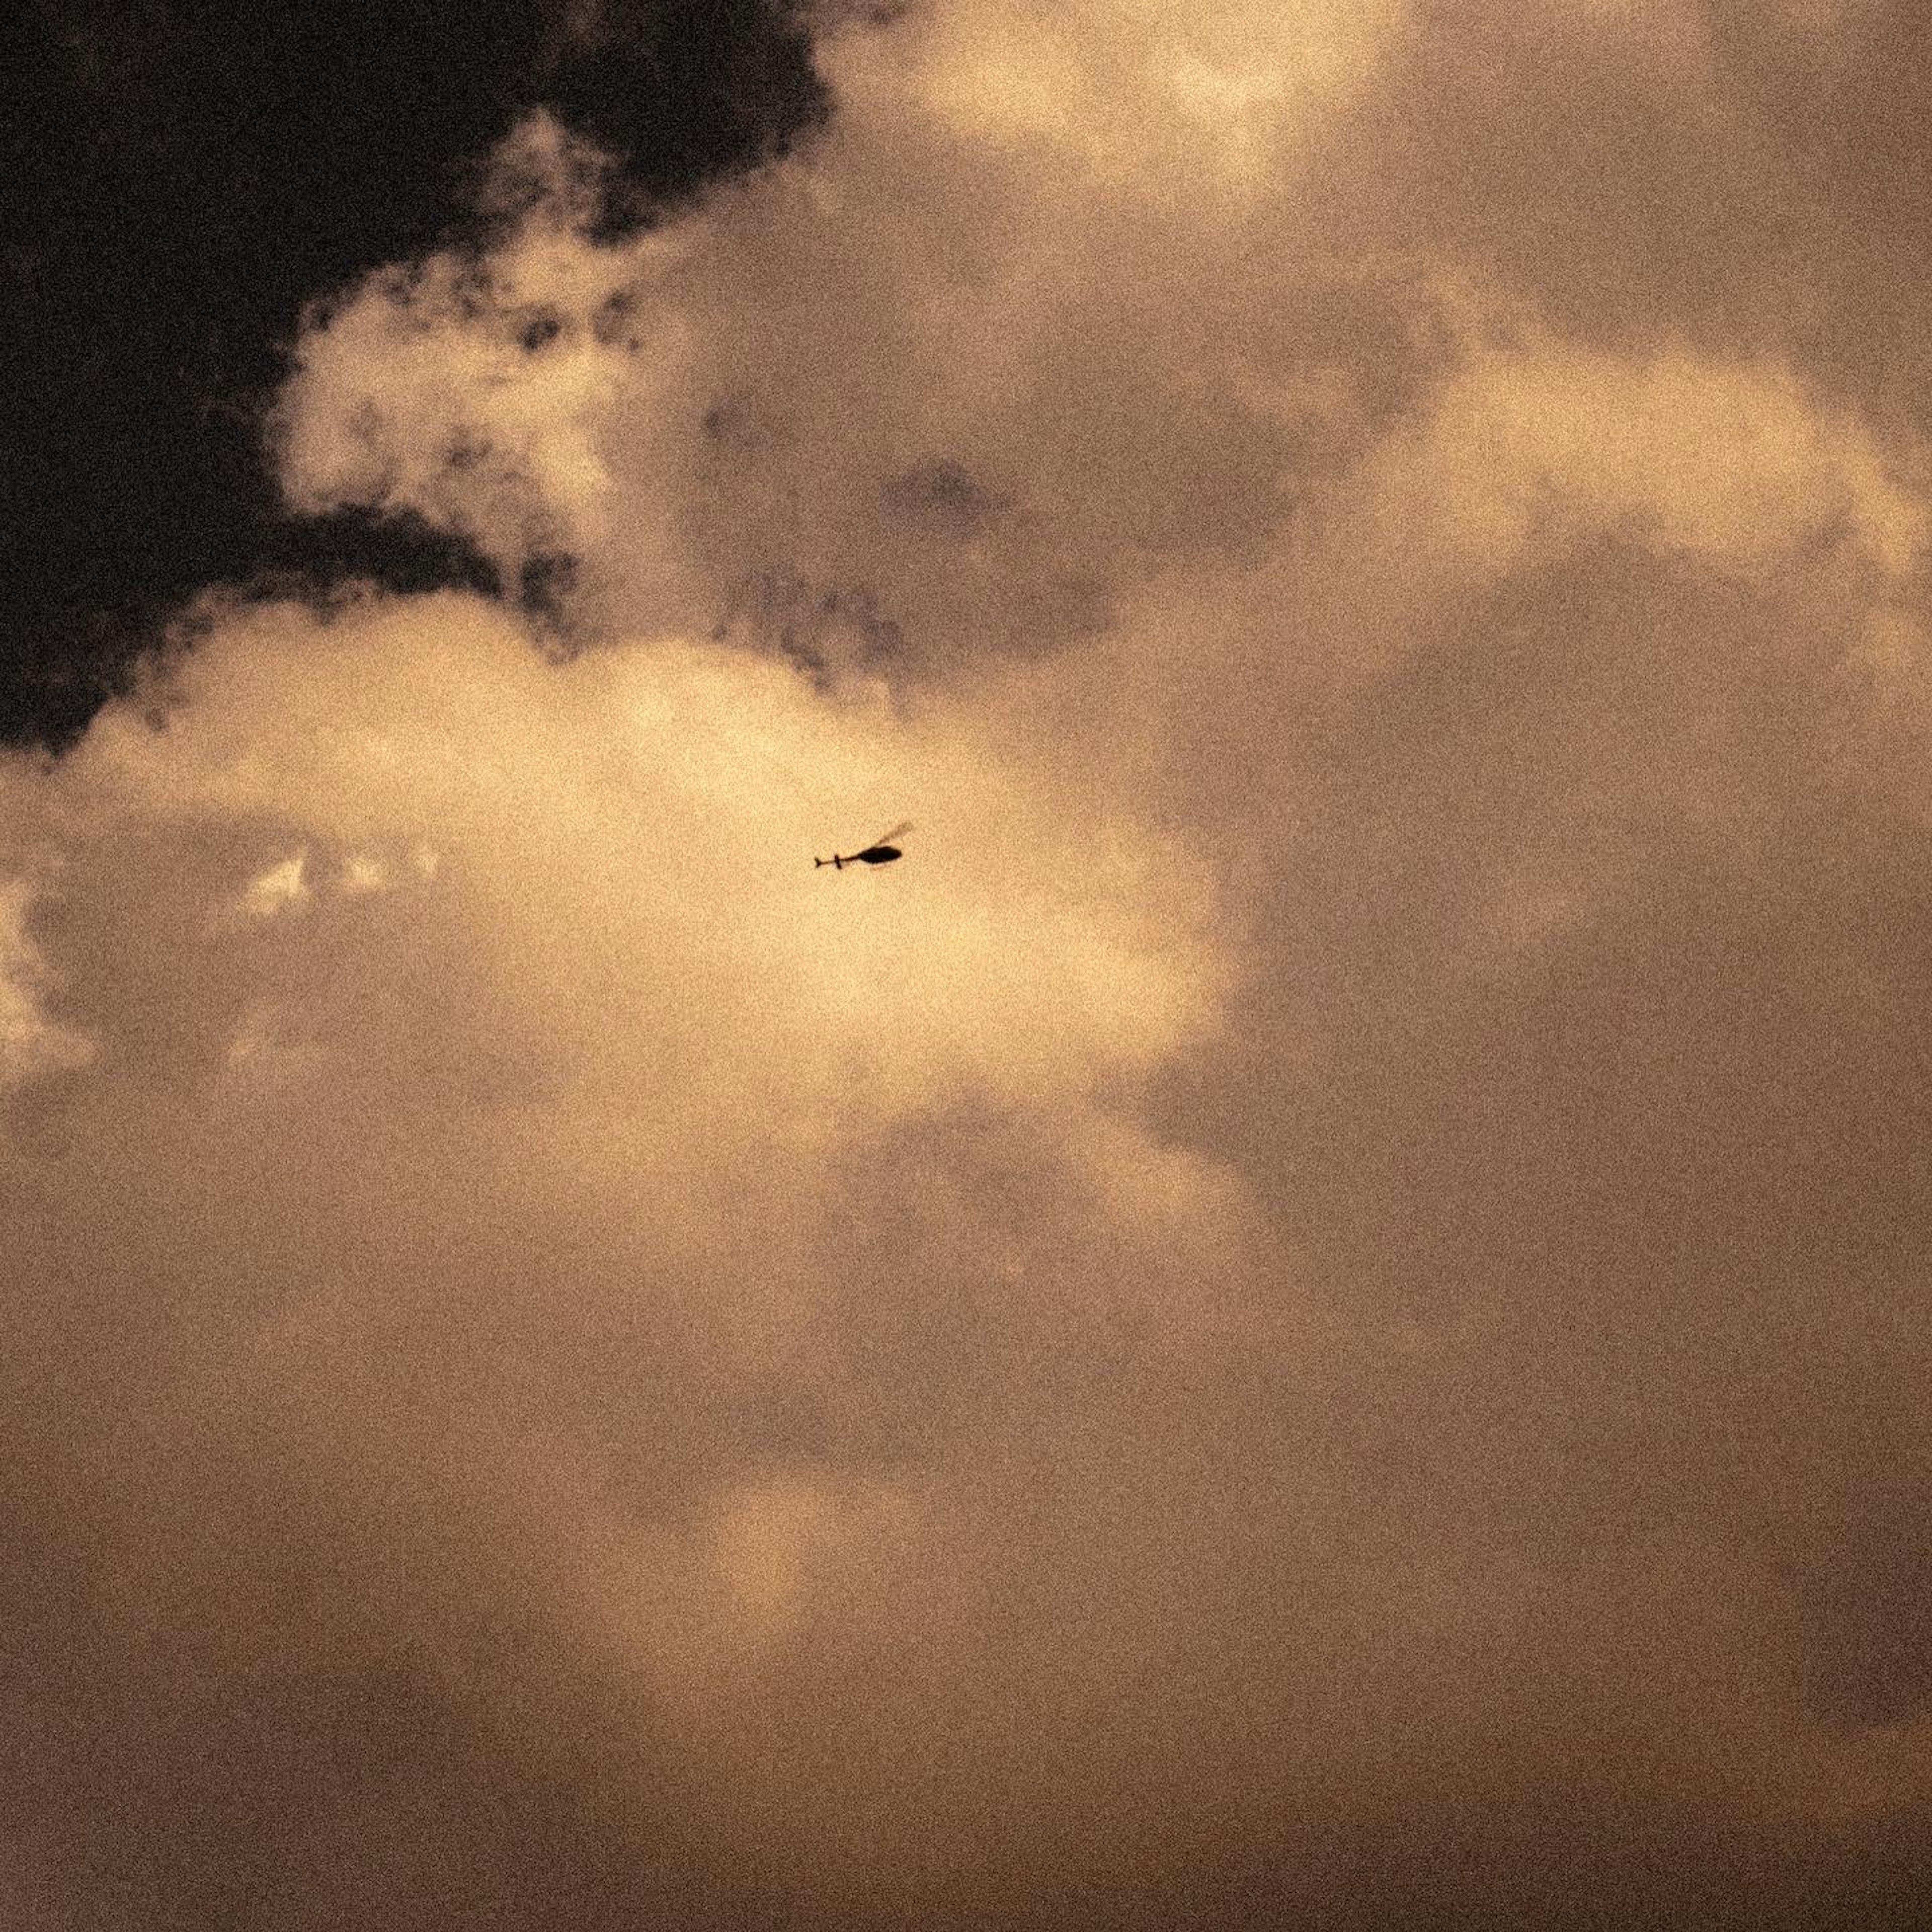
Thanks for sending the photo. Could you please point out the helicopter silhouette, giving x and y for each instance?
(881, 852)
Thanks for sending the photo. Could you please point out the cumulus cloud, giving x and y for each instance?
(1313, 1309)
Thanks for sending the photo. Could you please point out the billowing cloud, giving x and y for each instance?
(1313, 1310)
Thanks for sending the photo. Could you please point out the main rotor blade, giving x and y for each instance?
(898, 831)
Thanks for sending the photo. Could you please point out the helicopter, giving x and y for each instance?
(881, 852)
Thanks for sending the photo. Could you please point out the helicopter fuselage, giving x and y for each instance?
(873, 855)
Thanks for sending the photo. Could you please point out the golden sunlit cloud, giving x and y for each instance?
(1310, 1310)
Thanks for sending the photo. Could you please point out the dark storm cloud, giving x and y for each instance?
(1314, 1310)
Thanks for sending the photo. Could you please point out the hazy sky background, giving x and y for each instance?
(1313, 1313)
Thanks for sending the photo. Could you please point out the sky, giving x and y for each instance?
(1313, 1312)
